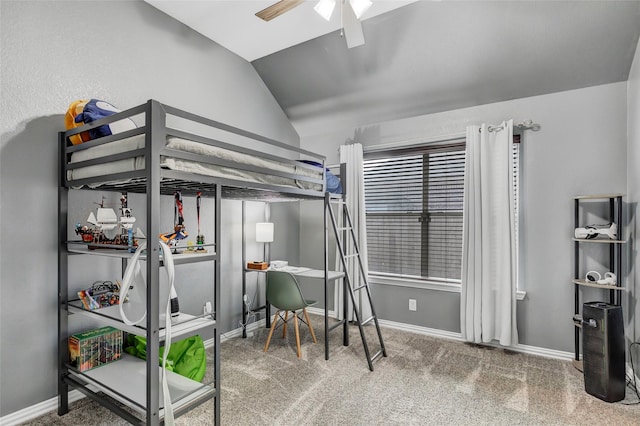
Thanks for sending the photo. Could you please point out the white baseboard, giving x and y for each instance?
(421, 330)
(451, 335)
(236, 333)
(36, 410)
(547, 353)
(320, 311)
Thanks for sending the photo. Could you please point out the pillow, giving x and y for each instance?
(333, 182)
(85, 111)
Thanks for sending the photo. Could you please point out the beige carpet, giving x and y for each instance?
(423, 381)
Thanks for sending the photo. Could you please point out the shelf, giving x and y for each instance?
(609, 211)
(125, 381)
(599, 240)
(597, 197)
(183, 326)
(592, 284)
(178, 259)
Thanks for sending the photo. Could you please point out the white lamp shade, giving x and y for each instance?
(264, 232)
(325, 8)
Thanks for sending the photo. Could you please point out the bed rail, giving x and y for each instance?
(242, 161)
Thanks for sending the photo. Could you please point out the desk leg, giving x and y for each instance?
(267, 310)
(345, 313)
(244, 321)
(326, 321)
(244, 308)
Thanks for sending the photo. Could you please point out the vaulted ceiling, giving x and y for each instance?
(432, 56)
(234, 24)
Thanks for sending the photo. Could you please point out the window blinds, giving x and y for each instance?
(414, 201)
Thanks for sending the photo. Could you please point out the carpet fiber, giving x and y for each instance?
(423, 381)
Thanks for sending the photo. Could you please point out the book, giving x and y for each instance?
(93, 348)
(257, 265)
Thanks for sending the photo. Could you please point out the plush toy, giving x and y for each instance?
(85, 111)
(74, 110)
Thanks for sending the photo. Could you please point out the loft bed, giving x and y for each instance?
(171, 150)
(196, 158)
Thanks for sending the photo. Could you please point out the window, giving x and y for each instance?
(414, 202)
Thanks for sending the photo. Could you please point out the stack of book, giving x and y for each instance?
(93, 348)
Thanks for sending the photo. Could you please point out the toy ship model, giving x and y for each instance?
(107, 229)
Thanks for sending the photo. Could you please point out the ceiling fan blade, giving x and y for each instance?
(352, 27)
(277, 9)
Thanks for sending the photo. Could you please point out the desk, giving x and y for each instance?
(301, 272)
(313, 273)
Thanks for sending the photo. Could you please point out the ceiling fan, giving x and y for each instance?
(350, 10)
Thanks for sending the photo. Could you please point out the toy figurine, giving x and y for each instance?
(179, 230)
(200, 237)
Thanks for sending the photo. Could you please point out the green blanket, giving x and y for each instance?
(186, 357)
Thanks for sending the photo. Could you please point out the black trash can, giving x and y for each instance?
(603, 351)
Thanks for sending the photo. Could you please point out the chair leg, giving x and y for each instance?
(273, 327)
(284, 327)
(313, 335)
(295, 325)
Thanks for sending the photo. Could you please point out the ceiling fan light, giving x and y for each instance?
(360, 7)
(325, 8)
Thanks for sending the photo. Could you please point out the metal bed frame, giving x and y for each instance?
(153, 181)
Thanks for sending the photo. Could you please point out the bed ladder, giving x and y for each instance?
(343, 235)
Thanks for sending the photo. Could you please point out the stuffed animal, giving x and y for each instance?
(85, 111)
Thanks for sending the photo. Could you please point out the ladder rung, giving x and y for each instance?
(346, 228)
(347, 256)
(332, 201)
(360, 288)
(376, 356)
(368, 320)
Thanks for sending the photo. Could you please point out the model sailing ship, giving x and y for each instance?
(107, 229)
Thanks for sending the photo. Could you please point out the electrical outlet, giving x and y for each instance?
(412, 304)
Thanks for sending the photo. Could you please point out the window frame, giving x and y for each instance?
(424, 151)
(446, 285)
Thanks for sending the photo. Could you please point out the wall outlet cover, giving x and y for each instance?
(412, 304)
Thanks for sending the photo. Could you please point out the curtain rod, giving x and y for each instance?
(523, 125)
(409, 143)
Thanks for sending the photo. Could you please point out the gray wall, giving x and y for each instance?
(581, 149)
(124, 52)
(632, 322)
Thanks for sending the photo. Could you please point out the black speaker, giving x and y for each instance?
(603, 351)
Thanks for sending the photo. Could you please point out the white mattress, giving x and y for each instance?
(137, 163)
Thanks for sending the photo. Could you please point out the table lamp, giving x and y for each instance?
(264, 234)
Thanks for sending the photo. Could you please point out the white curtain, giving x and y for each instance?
(352, 156)
(489, 255)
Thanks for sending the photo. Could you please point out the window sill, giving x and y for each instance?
(425, 285)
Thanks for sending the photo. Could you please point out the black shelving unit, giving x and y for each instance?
(614, 247)
(134, 382)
